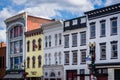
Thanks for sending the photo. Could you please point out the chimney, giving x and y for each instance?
(2, 44)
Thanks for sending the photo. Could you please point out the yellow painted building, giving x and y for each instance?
(34, 54)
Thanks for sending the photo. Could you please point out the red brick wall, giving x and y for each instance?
(35, 22)
(3, 54)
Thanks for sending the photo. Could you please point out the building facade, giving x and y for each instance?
(16, 26)
(75, 49)
(53, 51)
(2, 60)
(103, 28)
(34, 54)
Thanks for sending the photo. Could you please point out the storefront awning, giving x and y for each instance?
(17, 76)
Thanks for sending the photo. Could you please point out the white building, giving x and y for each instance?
(53, 51)
(103, 28)
(75, 49)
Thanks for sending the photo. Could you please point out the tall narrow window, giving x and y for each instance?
(102, 28)
(114, 26)
(49, 41)
(56, 59)
(59, 57)
(39, 61)
(46, 44)
(60, 38)
(28, 46)
(21, 45)
(33, 61)
(34, 45)
(74, 58)
(114, 51)
(103, 50)
(92, 30)
(28, 62)
(66, 41)
(83, 38)
(83, 56)
(74, 40)
(11, 63)
(45, 59)
(39, 43)
(66, 58)
(49, 58)
(55, 39)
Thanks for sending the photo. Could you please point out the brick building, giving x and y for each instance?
(2, 59)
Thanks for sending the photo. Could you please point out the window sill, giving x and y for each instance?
(83, 45)
(83, 63)
(74, 63)
(113, 34)
(74, 46)
(66, 64)
(102, 58)
(92, 37)
(103, 36)
(114, 58)
(66, 47)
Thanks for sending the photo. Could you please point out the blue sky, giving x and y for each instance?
(57, 9)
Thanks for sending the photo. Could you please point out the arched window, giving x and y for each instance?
(39, 60)
(28, 62)
(52, 74)
(33, 61)
(39, 43)
(28, 46)
(34, 45)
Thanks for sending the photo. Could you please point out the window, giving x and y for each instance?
(74, 22)
(82, 71)
(16, 47)
(39, 61)
(74, 40)
(16, 62)
(114, 26)
(66, 41)
(102, 29)
(21, 45)
(103, 50)
(45, 59)
(67, 24)
(33, 61)
(11, 63)
(49, 41)
(39, 43)
(55, 39)
(74, 58)
(49, 58)
(56, 58)
(60, 38)
(83, 20)
(66, 58)
(34, 45)
(12, 47)
(12, 33)
(59, 57)
(114, 52)
(83, 38)
(92, 30)
(28, 62)
(46, 44)
(83, 56)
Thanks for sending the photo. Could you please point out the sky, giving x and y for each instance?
(53, 9)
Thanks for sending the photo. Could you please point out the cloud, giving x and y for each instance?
(2, 35)
(111, 2)
(19, 2)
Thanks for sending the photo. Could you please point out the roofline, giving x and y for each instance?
(51, 23)
(74, 18)
(101, 8)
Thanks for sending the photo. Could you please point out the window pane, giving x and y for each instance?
(66, 41)
(92, 31)
(83, 38)
(74, 40)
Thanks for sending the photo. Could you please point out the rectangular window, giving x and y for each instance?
(66, 41)
(102, 50)
(67, 24)
(114, 53)
(83, 56)
(83, 20)
(113, 26)
(49, 41)
(92, 31)
(46, 43)
(66, 58)
(74, 40)
(11, 63)
(74, 22)
(74, 58)
(60, 39)
(56, 38)
(83, 38)
(102, 29)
